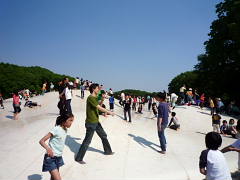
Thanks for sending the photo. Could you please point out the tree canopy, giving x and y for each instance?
(219, 67)
(134, 92)
(15, 78)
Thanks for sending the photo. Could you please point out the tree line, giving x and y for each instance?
(15, 78)
(218, 69)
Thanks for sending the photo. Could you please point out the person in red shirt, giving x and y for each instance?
(16, 105)
(202, 99)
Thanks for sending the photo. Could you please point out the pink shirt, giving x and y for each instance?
(16, 99)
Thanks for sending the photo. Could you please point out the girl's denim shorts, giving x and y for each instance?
(52, 163)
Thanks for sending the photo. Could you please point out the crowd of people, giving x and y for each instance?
(212, 163)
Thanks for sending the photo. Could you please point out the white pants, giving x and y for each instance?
(216, 128)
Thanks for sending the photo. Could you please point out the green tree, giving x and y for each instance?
(15, 78)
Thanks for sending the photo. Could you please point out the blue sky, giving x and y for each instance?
(139, 44)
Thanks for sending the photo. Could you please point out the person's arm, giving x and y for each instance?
(60, 95)
(100, 108)
(170, 122)
(234, 129)
(160, 118)
(45, 146)
(230, 148)
(203, 162)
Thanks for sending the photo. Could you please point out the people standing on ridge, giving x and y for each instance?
(216, 121)
(189, 96)
(53, 158)
(127, 108)
(111, 103)
(202, 100)
(134, 105)
(16, 105)
(62, 99)
(174, 98)
(92, 124)
(51, 87)
(122, 99)
(211, 105)
(82, 88)
(182, 94)
(150, 101)
(44, 88)
(110, 92)
(67, 93)
(1, 101)
(101, 97)
(140, 105)
(162, 120)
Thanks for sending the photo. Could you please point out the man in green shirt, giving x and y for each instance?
(92, 124)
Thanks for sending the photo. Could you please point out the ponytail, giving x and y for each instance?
(63, 118)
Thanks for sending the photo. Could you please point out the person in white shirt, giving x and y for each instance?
(122, 98)
(212, 162)
(68, 96)
(182, 94)
(174, 98)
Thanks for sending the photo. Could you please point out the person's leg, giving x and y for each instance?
(102, 134)
(218, 129)
(129, 115)
(55, 175)
(68, 106)
(239, 161)
(214, 128)
(85, 144)
(125, 115)
(162, 139)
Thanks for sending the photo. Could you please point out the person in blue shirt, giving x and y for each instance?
(111, 103)
(162, 120)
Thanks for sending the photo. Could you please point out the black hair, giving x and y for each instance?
(231, 120)
(103, 92)
(63, 118)
(238, 125)
(16, 93)
(173, 114)
(92, 87)
(224, 121)
(213, 140)
(161, 95)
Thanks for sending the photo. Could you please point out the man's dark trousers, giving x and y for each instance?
(90, 129)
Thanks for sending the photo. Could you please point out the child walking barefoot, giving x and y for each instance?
(53, 158)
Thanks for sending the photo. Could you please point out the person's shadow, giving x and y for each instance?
(35, 177)
(143, 142)
(74, 146)
(204, 113)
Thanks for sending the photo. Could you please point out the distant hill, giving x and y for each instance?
(134, 92)
(15, 78)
